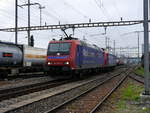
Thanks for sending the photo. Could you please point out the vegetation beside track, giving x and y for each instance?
(126, 99)
(139, 71)
(130, 95)
(131, 92)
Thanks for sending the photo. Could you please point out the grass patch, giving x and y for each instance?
(140, 71)
(130, 93)
(121, 105)
(147, 110)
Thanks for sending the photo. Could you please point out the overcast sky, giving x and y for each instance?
(75, 11)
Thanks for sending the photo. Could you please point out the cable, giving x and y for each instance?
(116, 8)
(51, 15)
(106, 14)
(138, 10)
(6, 14)
(46, 13)
(69, 5)
(11, 15)
(23, 1)
(100, 8)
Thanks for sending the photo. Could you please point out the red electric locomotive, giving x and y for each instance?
(61, 55)
(75, 56)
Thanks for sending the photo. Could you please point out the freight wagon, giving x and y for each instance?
(20, 58)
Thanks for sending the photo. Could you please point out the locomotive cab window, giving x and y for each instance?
(62, 48)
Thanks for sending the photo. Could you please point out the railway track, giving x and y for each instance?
(27, 89)
(56, 100)
(90, 100)
(3, 83)
(24, 76)
(23, 90)
(137, 78)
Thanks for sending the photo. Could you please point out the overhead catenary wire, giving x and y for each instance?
(75, 9)
(116, 8)
(52, 16)
(49, 15)
(105, 12)
(100, 8)
(22, 1)
(52, 13)
(57, 17)
(72, 7)
(10, 15)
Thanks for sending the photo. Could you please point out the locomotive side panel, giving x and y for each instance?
(79, 56)
(105, 59)
(87, 57)
(101, 53)
(112, 60)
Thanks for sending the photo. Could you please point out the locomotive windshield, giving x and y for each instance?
(61, 48)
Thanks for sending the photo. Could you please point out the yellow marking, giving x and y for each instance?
(35, 56)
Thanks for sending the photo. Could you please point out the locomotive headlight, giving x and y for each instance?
(66, 63)
(49, 63)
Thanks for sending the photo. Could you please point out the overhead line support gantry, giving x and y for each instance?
(78, 25)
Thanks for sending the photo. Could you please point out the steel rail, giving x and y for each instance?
(28, 104)
(108, 95)
(137, 78)
(74, 98)
(23, 90)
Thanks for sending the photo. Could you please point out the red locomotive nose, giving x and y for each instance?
(61, 54)
(59, 60)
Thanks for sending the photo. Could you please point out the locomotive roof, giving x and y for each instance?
(59, 41)
(77, 42)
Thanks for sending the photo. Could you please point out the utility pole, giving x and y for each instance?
(16, 22)
(120, 51)
(29, 42)
(146, 49)
(106, 41)
(40, 7)
(114, 47)
(138, 47)
(108, 44)
(149, 11)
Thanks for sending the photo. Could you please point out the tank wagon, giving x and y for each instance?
(20, 58)
(76, 56)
